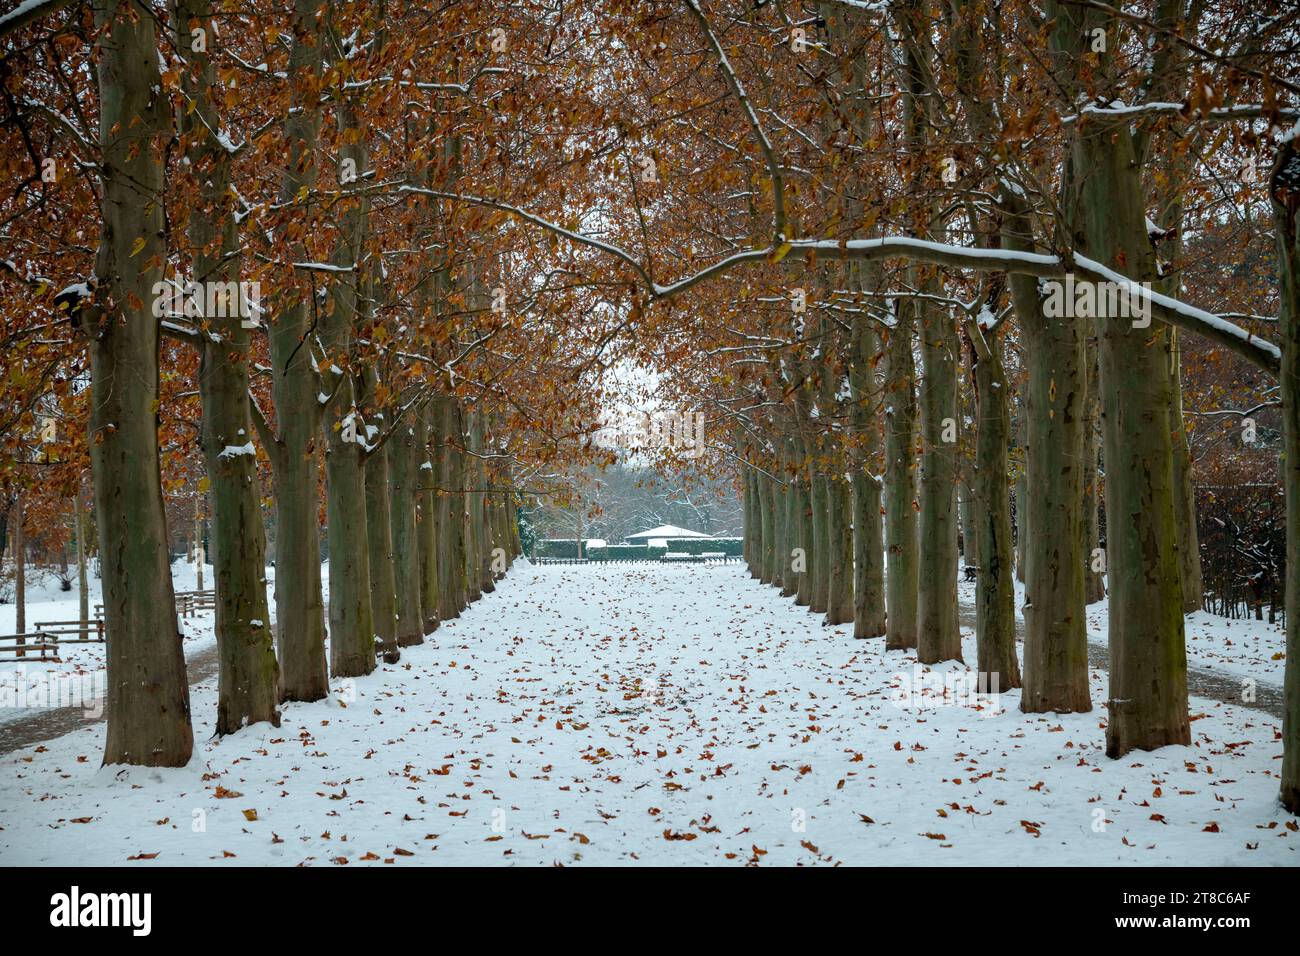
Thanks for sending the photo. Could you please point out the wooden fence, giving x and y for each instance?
(16, 647)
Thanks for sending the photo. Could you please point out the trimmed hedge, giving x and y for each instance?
(557, 549)
(732, 547)
(626, 552)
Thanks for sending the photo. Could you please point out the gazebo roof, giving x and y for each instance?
(668, 531)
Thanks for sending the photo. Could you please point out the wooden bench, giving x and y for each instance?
(189, 603)
(92, 632)
(16, 647)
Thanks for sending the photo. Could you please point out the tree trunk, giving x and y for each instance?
(768, 553)
(465, 505)
(752, 526)
(502, 546)
(449, 596)
(482, 565)
(248, 674)
(20, 577)
(352, 624)
(1022, 510)
(901, 581)
(790, 538)
(513, 520)
(299, 607)
(471, 497)
(1171, 72)
(1094, 576)
(839, 531)
(819, 556)
(351, 620)
(299, 604)
(148, 705)
(1148, 662)
(435, 599)
(938, 635)
(752, 546)
(455, 550)
(1056, 643)
(868, 558)
(868, 533)
(379, 540)
(779, 531)
(20, 569)
(404, 472)
(803, 542)
(1189, 548)
(1284, 187)
(995, 604)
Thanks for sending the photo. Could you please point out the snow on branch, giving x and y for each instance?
(29, 11)
(1217, 329)
(1220, 114)
(66, 125)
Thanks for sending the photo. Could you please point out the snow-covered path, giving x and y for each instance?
(660, 714)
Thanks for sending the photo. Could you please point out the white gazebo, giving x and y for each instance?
(660, 536)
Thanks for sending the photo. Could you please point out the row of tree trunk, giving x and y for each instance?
(418, 528)
(1125, 386)
(796, 537)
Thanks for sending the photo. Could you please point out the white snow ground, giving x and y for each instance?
(47, 602)
(659, 714)
(1239, 648)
